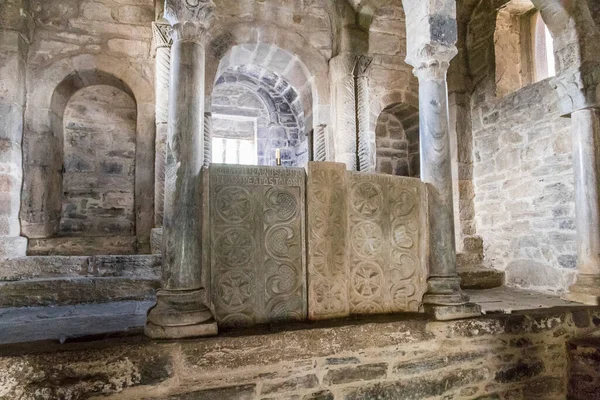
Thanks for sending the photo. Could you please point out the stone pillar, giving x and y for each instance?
(319, 143)
(181, 309)
(14, 30)
(344, 104)
(162, 45)
(577, 94)
(366, 141)
(431, 38)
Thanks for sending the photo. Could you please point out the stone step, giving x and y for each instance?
(481, 278)
(65, 291)
(62, 323)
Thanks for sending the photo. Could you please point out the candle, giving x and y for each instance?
(278, 156)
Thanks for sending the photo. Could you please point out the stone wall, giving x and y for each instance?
(75, 45)
(584, 374)
(397, 141)
(519, 356)
(99, 154)
(522, 173)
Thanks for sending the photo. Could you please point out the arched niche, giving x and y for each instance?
(43, 207)
(397, 140)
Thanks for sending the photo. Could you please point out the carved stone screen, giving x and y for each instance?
(258, 262)
(367, 242)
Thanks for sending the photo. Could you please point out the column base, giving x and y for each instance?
(445, 291)
(179, 315)
(452, 312)
(13, 247)
(585, 290)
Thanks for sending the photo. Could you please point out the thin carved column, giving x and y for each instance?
(366, 143)
(207, 138)
(344, 104)
(578, 99)
(181, 309)
(319, 143)
(162, 45)
(431, 38)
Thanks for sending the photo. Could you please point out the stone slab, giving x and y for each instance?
(367, 242)
(258, 261)
(481, 278)
(82, 246)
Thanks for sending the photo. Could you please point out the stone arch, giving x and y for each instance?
(397, 140)
(306, 68)
(47, 100)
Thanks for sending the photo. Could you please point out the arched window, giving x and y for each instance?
(524, 48)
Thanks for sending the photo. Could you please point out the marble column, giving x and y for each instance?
(181, 309)
(344, 106)
(15, 24)
(366, 140)
(162, 46)
(207, 138)
(586, 159)
(431, 38)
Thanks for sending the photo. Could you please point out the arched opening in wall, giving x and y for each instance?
(261, 108)
(99, 127)
(397, 140)
(524, 50)
(82, 196)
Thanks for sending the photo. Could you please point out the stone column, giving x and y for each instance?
(181, 309)
(14, 31)
(366, 141)
(344, 104)
(577, 94)
(162, 45)
(207, 138)
(431, 38)
(319, 143)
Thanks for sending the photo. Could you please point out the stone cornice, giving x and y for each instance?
(578, 89)
(190, 19)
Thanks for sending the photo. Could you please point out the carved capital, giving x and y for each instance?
(162, 35)
(432, 62)
(578, 89)
(362, 66)
(190, 19)
(343, 64)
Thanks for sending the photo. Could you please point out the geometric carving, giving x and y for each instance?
(366, 242)
(258, 266)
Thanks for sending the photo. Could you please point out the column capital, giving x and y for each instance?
(190, 19)
(578, 89)
(343, 64)
(363, 63)
(432, 64)
(162, 35)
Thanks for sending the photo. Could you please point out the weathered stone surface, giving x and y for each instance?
(366, 251)
(584, 372)
(356, 374)
(258, 261)
(82, 246)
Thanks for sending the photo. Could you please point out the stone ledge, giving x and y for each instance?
(82, 246)
(523, 355)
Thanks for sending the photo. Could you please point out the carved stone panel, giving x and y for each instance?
(327, 274)
(366, 242)
(258, 263)
(386, 227)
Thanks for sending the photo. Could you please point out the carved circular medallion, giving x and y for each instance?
(329, 296)
(402, 238)
(328, 258)
(233, 204)
(235, 247)
(367, 239)
(325, 186)
(367, 307)
(367, 199)
(367, 280)
(234, 290)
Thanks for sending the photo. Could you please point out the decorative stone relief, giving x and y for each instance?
(258, 264)
(366, 242)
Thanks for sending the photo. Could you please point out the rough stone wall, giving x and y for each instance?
(397, 134)
(99, 163)
(584, 371)
(504, 357)
(522, 174)
(84, 43)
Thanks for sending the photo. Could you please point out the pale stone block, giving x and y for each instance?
(258, 262)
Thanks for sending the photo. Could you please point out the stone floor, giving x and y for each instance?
(70, 322)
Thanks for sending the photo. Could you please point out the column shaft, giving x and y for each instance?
(320, 144)
(342, 76)
(207, 138)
